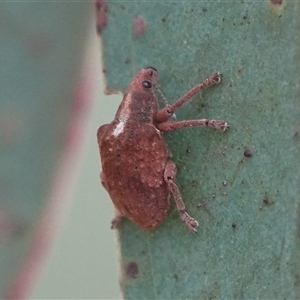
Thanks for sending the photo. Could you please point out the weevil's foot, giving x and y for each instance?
(116, 221)
(191, 223)
(217, 77)
(218, 125)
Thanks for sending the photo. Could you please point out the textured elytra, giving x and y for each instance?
(134, 166)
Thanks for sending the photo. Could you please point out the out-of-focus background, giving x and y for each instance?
(82, 262)
(55, 236)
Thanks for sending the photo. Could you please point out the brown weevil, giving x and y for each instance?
(137, 171)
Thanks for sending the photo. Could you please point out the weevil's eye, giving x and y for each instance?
(146, 84)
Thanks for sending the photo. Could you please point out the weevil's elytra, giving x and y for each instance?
(137, 170)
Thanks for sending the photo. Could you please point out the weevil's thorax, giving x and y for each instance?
(140, 103)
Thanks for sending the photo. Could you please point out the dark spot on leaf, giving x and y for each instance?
(132, 270)
(98, 5)
(277, 2)
(297, 280)
(233, 225)
(247, 153)
(176, 276)
(139, 26)
(101, 15)
(194, 183)
(164, 19)
(266, 202)
(240, 70)
(296, 130)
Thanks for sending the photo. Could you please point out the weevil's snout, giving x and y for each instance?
(145, 79)
(150, 77)
(152, 72)
(152, 68)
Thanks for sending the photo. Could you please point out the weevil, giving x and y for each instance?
(137, 170)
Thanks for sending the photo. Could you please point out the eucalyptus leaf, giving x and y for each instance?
(242, 185)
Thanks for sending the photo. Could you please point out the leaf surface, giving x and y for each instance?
(247, 245)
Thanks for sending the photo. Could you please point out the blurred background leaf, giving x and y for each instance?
(42, 45)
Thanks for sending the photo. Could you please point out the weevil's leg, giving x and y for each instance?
(165, 113)
(171, 125)
(116, 220)
(169, 177)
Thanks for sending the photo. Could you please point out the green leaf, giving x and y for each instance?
(247, 245)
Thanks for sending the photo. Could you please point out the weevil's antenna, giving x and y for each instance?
(165, 100)
(162, 95)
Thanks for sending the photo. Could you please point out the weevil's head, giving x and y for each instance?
(145, 79)
(139, 102)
